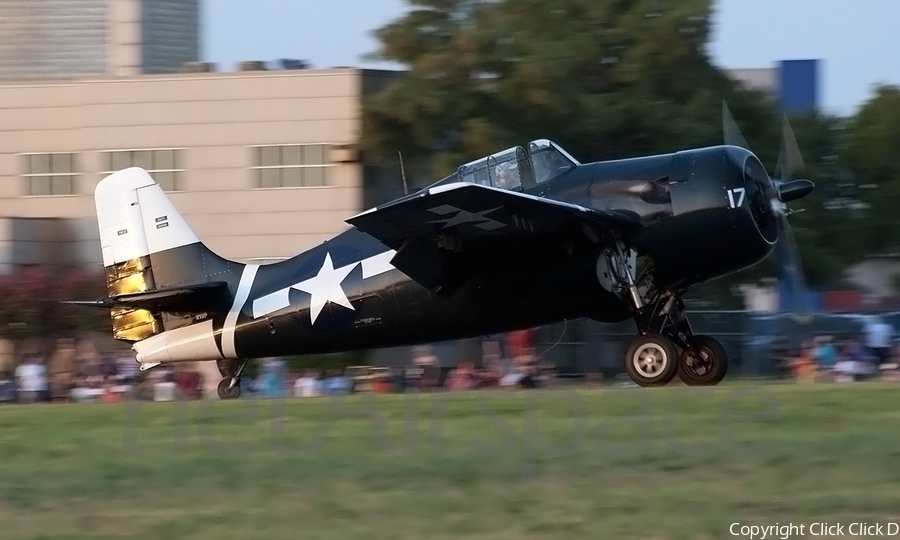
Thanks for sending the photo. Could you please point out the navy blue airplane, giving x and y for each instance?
(525, 237)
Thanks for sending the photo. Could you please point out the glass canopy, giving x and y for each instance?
(515, 168)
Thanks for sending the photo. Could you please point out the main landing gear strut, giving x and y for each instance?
(230, 386)
(666, 346)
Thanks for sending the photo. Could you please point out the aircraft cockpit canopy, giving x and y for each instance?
(515, 168)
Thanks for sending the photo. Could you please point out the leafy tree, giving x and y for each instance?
(606, 79)
(30, 305)
(872, 143)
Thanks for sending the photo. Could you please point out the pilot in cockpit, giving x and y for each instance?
(506, 176)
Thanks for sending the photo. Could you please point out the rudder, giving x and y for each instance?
(146, 246)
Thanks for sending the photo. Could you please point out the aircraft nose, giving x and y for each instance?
(761, 196)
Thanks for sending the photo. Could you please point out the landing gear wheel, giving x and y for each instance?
(651, 360)
(704, 364)
(226, 390)
(230, 387)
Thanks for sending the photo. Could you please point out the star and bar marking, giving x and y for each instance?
(478, 219)
(324, 287)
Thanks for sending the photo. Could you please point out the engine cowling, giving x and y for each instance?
(722, 217)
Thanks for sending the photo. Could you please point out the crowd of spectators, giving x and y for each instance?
(76, 372)
(519, 367)
(875, 354)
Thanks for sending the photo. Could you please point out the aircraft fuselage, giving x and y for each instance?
(389, 309)
(428, 270)
(345, 294)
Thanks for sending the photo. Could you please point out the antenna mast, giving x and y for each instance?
(403, 174)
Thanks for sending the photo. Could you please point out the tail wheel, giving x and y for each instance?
(651, 360)
(703, 364)
(226, 390)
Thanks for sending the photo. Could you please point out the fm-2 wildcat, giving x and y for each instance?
(524, 237)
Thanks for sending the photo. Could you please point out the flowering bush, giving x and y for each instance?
(30, 303)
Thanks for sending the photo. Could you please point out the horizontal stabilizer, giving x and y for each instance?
(194, 299)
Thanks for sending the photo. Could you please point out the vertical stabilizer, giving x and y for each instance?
(136, 218)
(147, 245)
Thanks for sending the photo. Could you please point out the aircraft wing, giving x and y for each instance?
(442, 233)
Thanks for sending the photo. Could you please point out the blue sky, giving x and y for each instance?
(858, 40)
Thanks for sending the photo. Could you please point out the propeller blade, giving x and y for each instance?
(793, 159)
(790, 160)
(779, 165)
(790, 269)
(730, 129)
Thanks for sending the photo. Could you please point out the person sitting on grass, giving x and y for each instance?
(826, 353)
(462, 378)
(110, 395)
(804, 364)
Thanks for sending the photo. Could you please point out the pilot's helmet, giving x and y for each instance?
(504, 170)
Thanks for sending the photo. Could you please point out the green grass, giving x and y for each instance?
(65, 473)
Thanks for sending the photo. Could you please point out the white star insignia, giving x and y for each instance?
(326, 287)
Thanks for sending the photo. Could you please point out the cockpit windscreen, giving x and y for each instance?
(515, 168)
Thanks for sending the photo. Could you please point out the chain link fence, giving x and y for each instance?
(582, 346)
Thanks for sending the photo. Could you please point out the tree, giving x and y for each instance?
(30, 305)
(605, 79)
(870, 153)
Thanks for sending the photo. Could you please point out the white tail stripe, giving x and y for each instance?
(240, 298)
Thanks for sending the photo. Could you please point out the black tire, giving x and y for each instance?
(707, 370)
(652, 360)
(225, 392)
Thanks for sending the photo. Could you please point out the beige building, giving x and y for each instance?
(762, 79)
(263, 164)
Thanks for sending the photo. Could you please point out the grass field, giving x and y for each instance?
(81, 471)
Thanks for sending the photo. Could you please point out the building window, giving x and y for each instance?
(50, 174)
(163, 164)
(306, 165)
